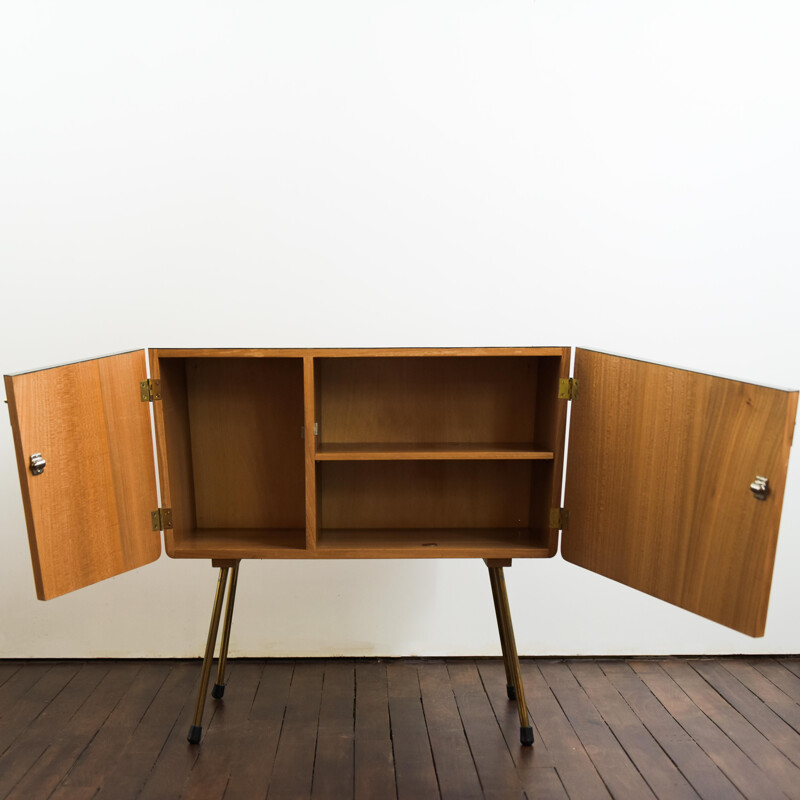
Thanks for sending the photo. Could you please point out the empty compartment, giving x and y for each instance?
(467, 507)
(427, 400)
(235, 453)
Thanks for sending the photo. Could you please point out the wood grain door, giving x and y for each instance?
(88, 511)
(658, 484)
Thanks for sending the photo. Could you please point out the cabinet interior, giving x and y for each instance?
(440, 456)
(235, 452)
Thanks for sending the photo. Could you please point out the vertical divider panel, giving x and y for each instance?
(310, 394)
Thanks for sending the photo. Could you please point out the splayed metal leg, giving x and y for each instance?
(195, 731)
(219, 687)
(514, 686)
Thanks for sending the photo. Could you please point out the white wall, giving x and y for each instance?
(622, 175)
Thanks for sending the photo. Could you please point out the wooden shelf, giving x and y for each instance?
(239, 543)
(364, 543)
(432, 451)
(435, 543)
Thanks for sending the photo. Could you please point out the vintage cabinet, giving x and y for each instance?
(674, 479)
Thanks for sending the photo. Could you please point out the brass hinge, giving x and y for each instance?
(150, 390)
(161, 519)
(559, 518)
(567, 388)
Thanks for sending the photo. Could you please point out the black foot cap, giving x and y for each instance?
(194, 734)
(511, 692)
(526, 736)
(218, 691)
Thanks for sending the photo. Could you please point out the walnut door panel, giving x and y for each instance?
(88, 512)
(658, 484)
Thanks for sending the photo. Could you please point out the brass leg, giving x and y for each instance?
(219, 687)
(196, 729)
(510, 691)
(509, 646)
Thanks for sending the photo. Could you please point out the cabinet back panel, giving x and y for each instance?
(428, 399)
(427, 494)
(245, 417)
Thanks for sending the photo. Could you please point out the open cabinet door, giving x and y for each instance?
(660, 465)
(88, 510)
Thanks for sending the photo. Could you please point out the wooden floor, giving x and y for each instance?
(405, 728)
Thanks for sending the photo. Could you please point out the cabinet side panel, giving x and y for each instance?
(551, 423)
(88, 512)
(658, 484)
(173, 445)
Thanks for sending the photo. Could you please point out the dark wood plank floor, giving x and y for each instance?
(403, 728)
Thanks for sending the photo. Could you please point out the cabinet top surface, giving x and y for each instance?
(319, 352)
(333, 352)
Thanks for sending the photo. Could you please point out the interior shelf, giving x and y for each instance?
(241, 543)
(437, 542)
(431, 451)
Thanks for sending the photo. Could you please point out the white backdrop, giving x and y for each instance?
(620, 175)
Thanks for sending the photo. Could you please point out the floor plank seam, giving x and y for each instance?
(578, 736)
(280, 732)
(733, 773)
(655, 739)
(466, 735)
(428, 732)
(316, 737)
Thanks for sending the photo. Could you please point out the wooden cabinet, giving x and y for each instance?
(418, 453)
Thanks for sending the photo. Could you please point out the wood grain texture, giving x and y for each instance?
(117, 729)
(174, 448)
(535, 765)
(676, 698)
(663, 777)
(238, 543)
(292, 772)
(335, 754)
(660, 465)
(426, 494)
(373, 756)
(687, 753)
(225, 424)
(493, 761)
(498, 543)
(413, 400)
(232, 543)
(88, 513)
(620, 775)
(355, 352)
(715, 701)
(74, 737)
(248, 457)
(455, 768)
(415, 772)
(310, 395)
(551, 430)
(430, 451)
